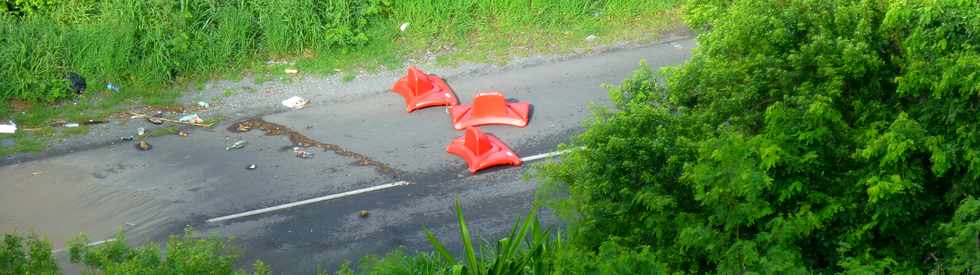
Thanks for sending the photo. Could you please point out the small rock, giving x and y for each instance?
(363, 214)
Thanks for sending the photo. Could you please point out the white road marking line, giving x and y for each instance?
(308, 201)
(547, 155)
(89, 244)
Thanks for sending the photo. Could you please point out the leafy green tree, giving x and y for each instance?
(803, 136)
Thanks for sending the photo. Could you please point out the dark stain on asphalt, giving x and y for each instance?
(297, 139)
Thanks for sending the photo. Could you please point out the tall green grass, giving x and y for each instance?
(147, 46)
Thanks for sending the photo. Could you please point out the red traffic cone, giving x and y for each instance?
(422, 90)
(482, 150)
(490, 108)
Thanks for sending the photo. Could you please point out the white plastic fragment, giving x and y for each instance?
(291, 71)
(203, 104)
(8, 128)
(591, 38)
(192, 118)
(403, 27)
(295, 102)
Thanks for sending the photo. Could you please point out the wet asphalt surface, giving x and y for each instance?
(185, 181)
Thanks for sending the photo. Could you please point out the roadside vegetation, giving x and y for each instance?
(156, 50)
(833, 136)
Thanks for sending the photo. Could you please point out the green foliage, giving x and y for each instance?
(144, 46)
(803, 136)
(528, 249)
(30, 255)
(184, 254)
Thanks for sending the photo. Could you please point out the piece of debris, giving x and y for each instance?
(251, 167)
(237, 145)
(143, 145)
(140, 131)
(71, 125)
(130, 224)
(183, 133)
(93, 122)
(8, 128)
(291, 71)
(302, 153)
(363, 214)
(403, 27)
(203, 104)
(295, 102)
(112, 87)
(591, 38)
(36, 173)
(77, 82)
(127, 138)
(192, 119)
(156, 118)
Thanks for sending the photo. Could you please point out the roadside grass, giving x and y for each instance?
(157, 51)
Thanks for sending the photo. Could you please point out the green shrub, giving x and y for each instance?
(803, 136)
(30, 255)
(184, 254)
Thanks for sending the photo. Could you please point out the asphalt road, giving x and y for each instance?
(367, 141)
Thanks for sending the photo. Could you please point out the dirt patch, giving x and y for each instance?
(297, 139)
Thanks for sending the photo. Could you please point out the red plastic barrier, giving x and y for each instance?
(490, 108)
(482, 150)
(422, 90)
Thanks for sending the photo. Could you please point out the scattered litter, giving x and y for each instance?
(237, 145)
(302, 153)
(71, 125)
(93, 122)
(363, 214)
(291, 71)
(591, 38)
(77, 82)
(36, 173)
(140, 131)
(112, 87)
(295, 102)
(192, 119)
(251, 167)
(127, 138)
(403, 27)
(203, 104)
(8, 128)
(143, 145)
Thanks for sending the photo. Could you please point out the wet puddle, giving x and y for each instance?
(297, 139)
